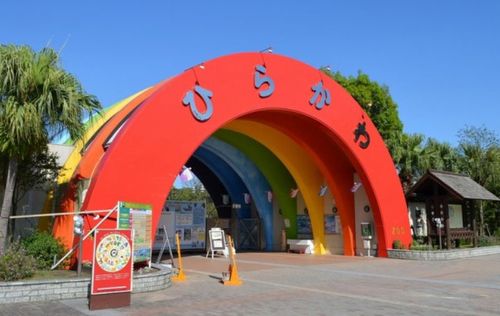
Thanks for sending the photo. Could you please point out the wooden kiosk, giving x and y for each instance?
(449, 206)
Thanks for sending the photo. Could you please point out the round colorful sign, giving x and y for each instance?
(113, 253)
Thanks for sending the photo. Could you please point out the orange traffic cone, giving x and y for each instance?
(234, 279)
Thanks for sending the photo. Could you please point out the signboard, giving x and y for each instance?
(112, 263)
(217, 240)
(137, 217)
(304, 226)
(332, 224)
(366, 229)
(186, 218)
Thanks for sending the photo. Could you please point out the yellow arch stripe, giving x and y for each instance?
(301, 167)
(74, 158)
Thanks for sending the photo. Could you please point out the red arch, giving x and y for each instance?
(146, 156)
(63, 225)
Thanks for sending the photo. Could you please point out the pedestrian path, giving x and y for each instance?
(292, 284)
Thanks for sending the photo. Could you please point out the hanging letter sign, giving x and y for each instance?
(321, 93)
(206, 96)
(259, 80)
(361, 131)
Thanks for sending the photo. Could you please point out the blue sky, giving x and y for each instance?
(440, 59)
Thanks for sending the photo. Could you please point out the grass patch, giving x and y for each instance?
(59, 274)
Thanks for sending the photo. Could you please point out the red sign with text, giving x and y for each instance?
(112, 264)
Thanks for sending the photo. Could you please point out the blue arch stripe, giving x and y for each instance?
(229, 178)
(253, 179)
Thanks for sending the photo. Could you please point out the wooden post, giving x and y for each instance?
(446, 210)
(481, 219)
(447, 228)
(474, 227)
(428, 221)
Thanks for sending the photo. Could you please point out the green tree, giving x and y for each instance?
(34, 172)
(479, 147)
(440, 156)
(479, 150)
(377, 102)
(38, 101)
(194, 193)
(410, 158)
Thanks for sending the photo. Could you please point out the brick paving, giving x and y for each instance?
(292, 284)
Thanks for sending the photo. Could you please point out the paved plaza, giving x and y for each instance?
(293, 284)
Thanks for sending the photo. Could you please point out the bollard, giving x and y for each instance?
(234, 279)
(180, 275)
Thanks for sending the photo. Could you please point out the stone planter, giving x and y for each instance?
(46, 290)
(441, 254)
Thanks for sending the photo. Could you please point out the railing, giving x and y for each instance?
(109, 212)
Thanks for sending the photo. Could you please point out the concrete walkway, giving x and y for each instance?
(292, 284)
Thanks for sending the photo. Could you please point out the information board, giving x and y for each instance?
(329, 224)
(139, 218)
(332, 224)
(186, 218)
(217, 239)
(304, 226)
(366, 229)
(112, 263)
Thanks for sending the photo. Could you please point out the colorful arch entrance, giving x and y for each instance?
(277, 123)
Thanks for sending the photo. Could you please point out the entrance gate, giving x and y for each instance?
(308, 121)
(248, 234)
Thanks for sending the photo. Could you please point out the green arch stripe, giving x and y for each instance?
(274, 171)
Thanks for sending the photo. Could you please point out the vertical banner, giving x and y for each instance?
(139, 218)
(112, 264)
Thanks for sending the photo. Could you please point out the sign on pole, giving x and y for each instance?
(139, 218)
(112, 264)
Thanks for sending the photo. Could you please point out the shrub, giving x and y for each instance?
(397, 244)
(421, 247)
(485, 241)
(43, 247)
(16, 263)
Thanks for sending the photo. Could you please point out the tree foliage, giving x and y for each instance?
(38, 101)
(195, 193)
(377, 102)
(477, 155)
(409, 158)
(440, 156)
(34, 173)
(479, 150)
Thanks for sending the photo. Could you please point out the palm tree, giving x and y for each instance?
(38, 101)
(410, 159)
(440, 156)
(479, 150)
